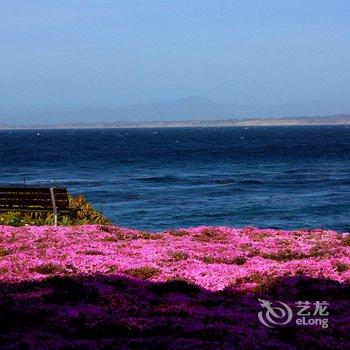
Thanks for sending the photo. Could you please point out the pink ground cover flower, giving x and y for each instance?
(93, 287)
(211, 257)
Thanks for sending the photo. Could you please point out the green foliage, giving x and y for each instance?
(84, 213)
(65, 221)
(11, 218)
(50, 219)
(81, 213)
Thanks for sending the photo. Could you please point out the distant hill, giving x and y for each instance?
(189, 108)
(325, 120)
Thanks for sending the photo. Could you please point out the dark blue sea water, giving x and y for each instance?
(283, 177)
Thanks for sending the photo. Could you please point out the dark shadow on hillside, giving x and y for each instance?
(115, 312)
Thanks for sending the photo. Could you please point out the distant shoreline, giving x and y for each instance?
(297, 121)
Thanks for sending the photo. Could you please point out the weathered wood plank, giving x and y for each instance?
(31, 199)
(26, 209)
(11, 195)
(36, 202)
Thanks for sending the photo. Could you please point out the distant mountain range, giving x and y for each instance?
(188, 111)
(326, 120)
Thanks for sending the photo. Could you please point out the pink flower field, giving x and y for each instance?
(87, 287)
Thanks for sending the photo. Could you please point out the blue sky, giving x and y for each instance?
(62, 55)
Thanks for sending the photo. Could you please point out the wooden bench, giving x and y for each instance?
(34, 199)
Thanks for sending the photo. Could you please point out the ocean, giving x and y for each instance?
(154, 179)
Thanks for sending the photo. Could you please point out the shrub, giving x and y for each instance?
(84, 212)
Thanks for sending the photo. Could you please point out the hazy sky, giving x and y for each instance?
(61, 55)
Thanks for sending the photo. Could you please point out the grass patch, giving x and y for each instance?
(341, 267)
(266, 283)
(42, 243)
(119, 235)
(178, 233)
(47, 269)
(92, 252)
(178, 255)
(110, 240)
(207, 259)
(316, 251)
(112, 269)
(258, 236)
(3, 252)
(143, 273)
(146, 235)
(284, 255)
(239, 260)
(346, 240)
(263, 282)
(210, 235)
(247, 247)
